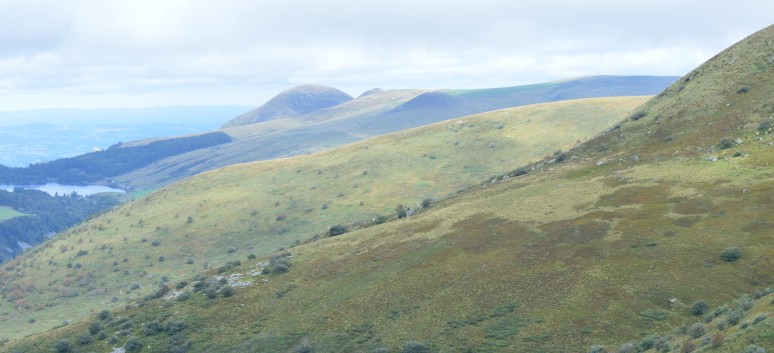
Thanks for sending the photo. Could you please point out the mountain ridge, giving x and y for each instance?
(292, 102)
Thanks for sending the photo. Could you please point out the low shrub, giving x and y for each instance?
(638, 115)
(696, 330)
(699, 307)
(337, 230)
(62, 346)
(133, 344)
(725, 143)
(83, 339)
(731, 253)
(415, 347)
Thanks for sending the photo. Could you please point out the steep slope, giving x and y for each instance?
(296, 101)
(612, 240)
(376, 113)
(210, 219)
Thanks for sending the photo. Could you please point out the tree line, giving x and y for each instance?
(46, 215)
(114, 161)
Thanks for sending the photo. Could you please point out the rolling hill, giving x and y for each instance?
(224, 215)
(611, 241)
(375, 113)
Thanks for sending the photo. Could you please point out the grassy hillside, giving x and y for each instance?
(8, 213)
(378, 112)
(610, 242)
(227, 214)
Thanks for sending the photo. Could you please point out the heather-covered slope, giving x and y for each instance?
(614, 239)
(207, 220)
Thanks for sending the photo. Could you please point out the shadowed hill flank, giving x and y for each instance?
(426, 102)
(293, 102)
(225, 215)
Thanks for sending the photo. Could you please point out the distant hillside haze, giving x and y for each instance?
(290, 132)
(293, 102)
(307, 100)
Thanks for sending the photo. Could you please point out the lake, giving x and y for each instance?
(54, 188)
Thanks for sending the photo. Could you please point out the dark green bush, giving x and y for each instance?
(337, 230)
(227, 291)
(152, 328)
(415, 347)
(731, 253)
(696, 330)
(725, 143)
(133, 344)
(229, 265)
(401, 211)
(83, 339)
(94, 327)
(280, 268)
(765, 125)
(210, 292)
(63, 346)
(734, 317)
(175, 326)
(699, 307)
(758, 319)
(638, 115)
(520, 171)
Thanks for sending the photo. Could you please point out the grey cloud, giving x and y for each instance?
(144, 50)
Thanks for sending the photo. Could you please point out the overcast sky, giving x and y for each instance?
(139, 53)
